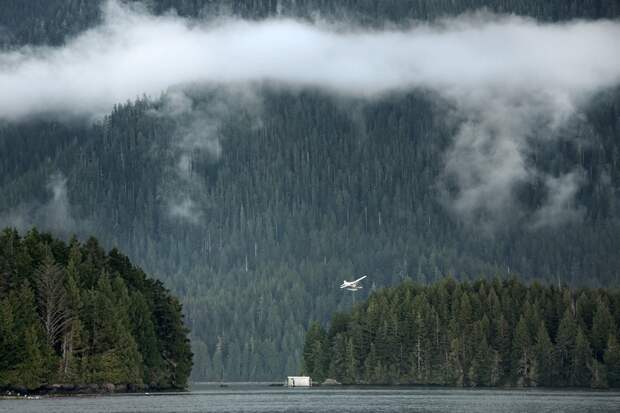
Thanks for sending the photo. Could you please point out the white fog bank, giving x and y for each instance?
(509, 78)
(134, 53)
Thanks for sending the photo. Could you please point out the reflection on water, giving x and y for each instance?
(254, 397)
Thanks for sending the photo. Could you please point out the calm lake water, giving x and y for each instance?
(261, 398)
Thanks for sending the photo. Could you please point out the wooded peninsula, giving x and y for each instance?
(75, 319)
(487, 333)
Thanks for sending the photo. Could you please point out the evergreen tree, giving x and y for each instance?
(32, 371)
(339, 363)
(481, 370)
(416, 339)
(33, 359)
(602, 327)
(612, 361)
(503, 341)
(7, 340)
(543, 351)
(316, 357)
(84, 326)
(143, 330)
(582, 361)
(565, 349)
(522, 354)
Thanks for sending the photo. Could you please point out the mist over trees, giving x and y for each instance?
(294, 207)
(255, 229)
(72, 314)
(485, 333)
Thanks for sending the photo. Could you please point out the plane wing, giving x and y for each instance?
(352, 284)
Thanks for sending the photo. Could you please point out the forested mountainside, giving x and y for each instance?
(485, 333)
(295, 206)
(73, 315)
(53, 21)
(254, 228)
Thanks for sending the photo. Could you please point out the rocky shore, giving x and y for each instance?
(79, 389)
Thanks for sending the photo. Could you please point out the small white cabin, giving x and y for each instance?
(299, 381)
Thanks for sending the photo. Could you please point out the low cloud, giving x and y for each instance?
(199, 115)
(511, 79)
(54, 215)
(184, 208)
(489, 160)
(470, 58)
(560, 203)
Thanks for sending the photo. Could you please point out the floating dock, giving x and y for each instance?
(299, 381)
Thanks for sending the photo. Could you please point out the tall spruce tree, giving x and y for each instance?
(544, 357)
(522, 354)
(582, 361)
(565, 349)
(612, 361)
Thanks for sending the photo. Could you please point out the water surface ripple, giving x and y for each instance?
(237, 398)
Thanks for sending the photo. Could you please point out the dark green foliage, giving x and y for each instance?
(602, 326)
(582, 359)
(26, 356)
(565, 349)
(461, 349)
(120, 329)
(290, 209)
(543, 353)
(612, 361)
(522, 354)
(316, 350)
(54, 21)
(326, 188)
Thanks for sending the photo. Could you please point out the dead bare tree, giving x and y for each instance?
(52, 300)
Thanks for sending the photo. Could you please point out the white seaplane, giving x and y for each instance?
(353, 285)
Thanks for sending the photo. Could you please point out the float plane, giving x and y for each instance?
(353, 285)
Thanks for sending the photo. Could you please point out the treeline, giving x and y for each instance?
(71, 314)
(486, 333)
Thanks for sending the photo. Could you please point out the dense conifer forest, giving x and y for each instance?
(285, 220)
(74, 318)
(296, 192)
(484, 333)
(53, 21)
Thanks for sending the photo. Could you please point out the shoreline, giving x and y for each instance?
(82, 390)
(42, 394)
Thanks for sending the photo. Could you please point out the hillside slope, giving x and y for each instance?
(255, 226)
